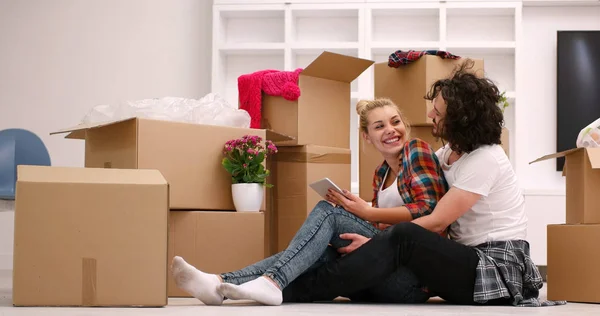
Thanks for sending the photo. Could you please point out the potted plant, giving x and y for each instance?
(244, 159)
(503, 102)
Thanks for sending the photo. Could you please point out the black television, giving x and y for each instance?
(578, 86)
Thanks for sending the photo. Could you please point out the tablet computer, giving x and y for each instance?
(323, 185)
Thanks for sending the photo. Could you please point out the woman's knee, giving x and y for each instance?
(322, 208)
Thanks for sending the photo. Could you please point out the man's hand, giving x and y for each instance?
(356, 241)
(350, 203)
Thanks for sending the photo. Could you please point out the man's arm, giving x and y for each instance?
(452, 206)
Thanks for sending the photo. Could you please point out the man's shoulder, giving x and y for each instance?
(487, 155)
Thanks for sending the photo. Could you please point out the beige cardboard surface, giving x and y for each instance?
(407, 85)
(296, 167)
(90, 237)
(573, 263)
(188, 155)
(325, 94)
(215, 242)
(369, 158)
(582, 170)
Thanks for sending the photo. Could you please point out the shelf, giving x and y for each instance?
(325, 25)
(308, 46)
(487, 47)
(254, 49)
(405, 24)
(236, 65)
(252, 26)
(480, 24)
(499, 67)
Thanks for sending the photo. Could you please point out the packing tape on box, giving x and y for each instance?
(88, 282)
(313, 158)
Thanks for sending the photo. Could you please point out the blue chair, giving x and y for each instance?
(18, 147)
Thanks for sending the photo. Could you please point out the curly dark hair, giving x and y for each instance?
(473, 117)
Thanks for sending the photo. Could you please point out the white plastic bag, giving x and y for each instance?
(212, 109)
(590, 135)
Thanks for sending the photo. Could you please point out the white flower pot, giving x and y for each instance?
(247, 197)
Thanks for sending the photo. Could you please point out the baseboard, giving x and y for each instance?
(6, 262)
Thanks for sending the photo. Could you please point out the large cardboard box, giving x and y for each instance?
(321, 115)
(295, 168)
(582, 170)
(369, 158)
(573, 261)
(407, 85)
(188, 155)
(90, 237)
(215, 242)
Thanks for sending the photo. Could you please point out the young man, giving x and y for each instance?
(486, 259)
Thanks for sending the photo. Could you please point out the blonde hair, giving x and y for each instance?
(364, 107)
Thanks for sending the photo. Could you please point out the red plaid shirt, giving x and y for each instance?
(421, 180)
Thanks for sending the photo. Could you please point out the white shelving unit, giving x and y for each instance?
(273, 34)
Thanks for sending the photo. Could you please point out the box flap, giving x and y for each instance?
(336, 67)
(45, 174)
(557, 155)
(277, 137)
(594, 155)
(78, 132)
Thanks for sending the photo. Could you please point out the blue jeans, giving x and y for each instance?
(309, 249)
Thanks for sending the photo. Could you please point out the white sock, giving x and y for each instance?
(260, 290)
(200, 285)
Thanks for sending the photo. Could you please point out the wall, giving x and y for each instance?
(536, 105)
(60, 58)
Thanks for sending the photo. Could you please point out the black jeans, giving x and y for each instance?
(446, 267)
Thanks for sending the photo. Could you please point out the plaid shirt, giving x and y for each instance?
(399, 57)
(421, 181)
(506, 270)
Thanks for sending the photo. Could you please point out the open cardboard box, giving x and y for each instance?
(321, 115)
(582, 170)
(188, 155)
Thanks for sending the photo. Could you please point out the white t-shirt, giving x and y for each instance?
(500, 213)
(390, 196)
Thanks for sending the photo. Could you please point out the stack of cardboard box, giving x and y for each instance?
(119, 213)
(319, 121)
(573, 256)
(406, 86)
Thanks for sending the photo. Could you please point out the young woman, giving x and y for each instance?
(486, 260)
(407, 186)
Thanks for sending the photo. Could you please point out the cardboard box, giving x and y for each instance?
(407, 85)
(582, 169)
(369, 158)
(90, 237)
(573, 261)
(215, 242)
(188, 155)
(321, 115)
(295, 168)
